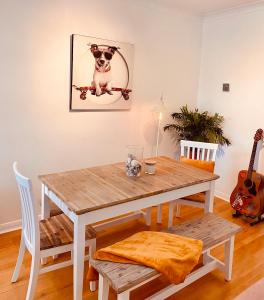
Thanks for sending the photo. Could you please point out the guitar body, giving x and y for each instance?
(248, 196)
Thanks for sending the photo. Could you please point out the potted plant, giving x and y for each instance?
(198, 126)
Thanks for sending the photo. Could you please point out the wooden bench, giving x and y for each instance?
(210, 228)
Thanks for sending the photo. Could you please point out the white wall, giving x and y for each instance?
(36, 128)
(233, 52)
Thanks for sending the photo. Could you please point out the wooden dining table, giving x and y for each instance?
(99, 193)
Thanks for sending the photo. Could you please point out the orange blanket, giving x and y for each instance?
(172, 255)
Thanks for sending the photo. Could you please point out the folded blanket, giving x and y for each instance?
(172, 255)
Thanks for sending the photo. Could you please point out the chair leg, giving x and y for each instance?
(103, 288)
(92, 249)
(171, 214)
(123, 296)
(92, 286)
(21, 253)
(148, 216)
(44, 260)
(33, 277)
(178, 210)
(159, 214)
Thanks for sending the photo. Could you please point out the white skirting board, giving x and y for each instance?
(222, 196)
(10, 226)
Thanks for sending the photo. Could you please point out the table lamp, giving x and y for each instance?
(160, 110)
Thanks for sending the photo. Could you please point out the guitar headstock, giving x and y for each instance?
(258, 135)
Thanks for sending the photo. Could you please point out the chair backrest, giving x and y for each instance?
(30, 224)
(198, 150)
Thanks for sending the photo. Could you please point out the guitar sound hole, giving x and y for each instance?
(252, 190)
(248, 183)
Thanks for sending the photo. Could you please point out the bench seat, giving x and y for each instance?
(210, 228)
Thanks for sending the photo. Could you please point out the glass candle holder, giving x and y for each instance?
(150, 166)
(134, 160)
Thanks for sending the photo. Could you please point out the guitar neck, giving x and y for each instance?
(252, 160)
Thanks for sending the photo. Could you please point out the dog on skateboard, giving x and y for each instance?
(102, 76)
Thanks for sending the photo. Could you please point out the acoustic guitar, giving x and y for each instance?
(248, 195)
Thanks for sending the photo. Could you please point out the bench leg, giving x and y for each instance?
(103, 288)
(123, 296)
(206, 257)
(229, 253)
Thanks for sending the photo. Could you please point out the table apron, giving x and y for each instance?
(130, 206)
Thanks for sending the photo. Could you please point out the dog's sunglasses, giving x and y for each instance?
(98, 53)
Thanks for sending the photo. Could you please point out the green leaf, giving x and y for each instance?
(197, 126)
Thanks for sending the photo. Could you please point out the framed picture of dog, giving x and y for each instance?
(101, 74)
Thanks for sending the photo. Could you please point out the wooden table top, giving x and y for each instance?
(104, 186)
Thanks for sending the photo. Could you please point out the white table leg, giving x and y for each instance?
(78, 259)
(209, 198)
(45, 205)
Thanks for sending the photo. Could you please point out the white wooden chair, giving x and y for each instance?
(44, 238)
(196, 151)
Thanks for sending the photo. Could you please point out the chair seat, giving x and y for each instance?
(200, 197)
(58, 231)
(55, 211)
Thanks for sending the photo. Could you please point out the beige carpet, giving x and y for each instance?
(254, 292)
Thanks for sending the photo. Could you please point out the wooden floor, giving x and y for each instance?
(248, 264)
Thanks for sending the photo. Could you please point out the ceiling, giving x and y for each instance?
(206, 6)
